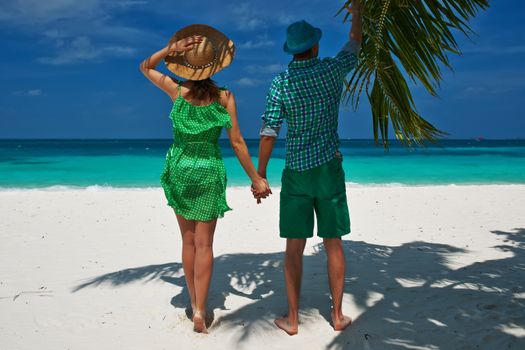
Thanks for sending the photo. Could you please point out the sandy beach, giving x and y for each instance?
(429, 267)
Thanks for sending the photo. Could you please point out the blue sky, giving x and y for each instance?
(69, 68)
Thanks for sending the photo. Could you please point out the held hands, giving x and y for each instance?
(185, 44)
(260, 189)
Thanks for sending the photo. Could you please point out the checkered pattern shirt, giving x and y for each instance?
(307, 95)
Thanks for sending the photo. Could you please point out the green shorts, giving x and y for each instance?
(321, 190)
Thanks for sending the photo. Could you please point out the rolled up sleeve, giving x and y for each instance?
(273, 115)
(347, 57)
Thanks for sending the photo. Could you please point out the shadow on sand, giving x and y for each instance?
(410, 297)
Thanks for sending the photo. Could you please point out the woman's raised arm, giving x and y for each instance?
(162, 81)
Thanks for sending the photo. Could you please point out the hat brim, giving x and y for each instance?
(225, 50)
(304, 46)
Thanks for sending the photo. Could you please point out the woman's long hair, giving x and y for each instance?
(204, 90)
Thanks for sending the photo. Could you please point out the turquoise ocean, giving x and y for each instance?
(138, 163)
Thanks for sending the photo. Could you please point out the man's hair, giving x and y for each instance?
(306, 54)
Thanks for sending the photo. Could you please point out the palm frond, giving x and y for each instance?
(406, 39)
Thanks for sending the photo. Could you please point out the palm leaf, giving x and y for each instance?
(405, 39)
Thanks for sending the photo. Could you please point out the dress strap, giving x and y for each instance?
(179, 89)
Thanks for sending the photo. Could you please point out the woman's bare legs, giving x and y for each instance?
(203, 269)
(187, 229)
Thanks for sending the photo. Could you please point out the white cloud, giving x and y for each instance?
(34, 92)
(125, 4)
(478, 91)
(287, 19)
(54, 34)
(268, 68)
(468, 84)
(249, 82)
(474, 90)
(29, 93)
(73, 30)
(496, 50)
(40, 12)
(260, 41)
(247, 17)
(59, 22)
(81, 50)
(252, 15)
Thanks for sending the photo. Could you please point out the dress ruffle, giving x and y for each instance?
(202, 117)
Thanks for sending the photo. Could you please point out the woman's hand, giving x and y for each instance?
(260, 189)
(185, 44)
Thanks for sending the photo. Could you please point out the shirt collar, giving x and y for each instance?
(304, 63)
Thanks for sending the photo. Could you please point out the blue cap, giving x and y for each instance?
(300, 37)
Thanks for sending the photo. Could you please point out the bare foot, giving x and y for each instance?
(189, 312)
(285, 324)
(199, 324)
(340, 322)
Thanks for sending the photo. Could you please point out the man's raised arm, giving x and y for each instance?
(356, 30)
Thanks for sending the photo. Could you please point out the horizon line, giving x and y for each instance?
(246, 138)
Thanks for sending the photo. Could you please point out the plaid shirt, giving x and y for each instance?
(307, 95)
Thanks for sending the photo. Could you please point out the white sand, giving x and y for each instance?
(439, 267)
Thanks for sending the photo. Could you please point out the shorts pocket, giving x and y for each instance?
(336, 176)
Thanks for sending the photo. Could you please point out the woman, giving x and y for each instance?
(194, 178)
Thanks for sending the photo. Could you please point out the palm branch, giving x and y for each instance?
(412, 39)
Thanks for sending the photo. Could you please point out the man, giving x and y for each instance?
(307, 96)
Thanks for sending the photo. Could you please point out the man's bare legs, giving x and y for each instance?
(293, 272)
(197, 262)
(336, 279)
(203, 269)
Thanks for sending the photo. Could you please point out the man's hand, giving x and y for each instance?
(356, 31)
(260, 189)
(355, 8)
(186, 44)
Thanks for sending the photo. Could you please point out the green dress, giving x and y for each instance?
(194, 177)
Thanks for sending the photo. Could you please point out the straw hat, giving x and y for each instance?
(214, 53)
